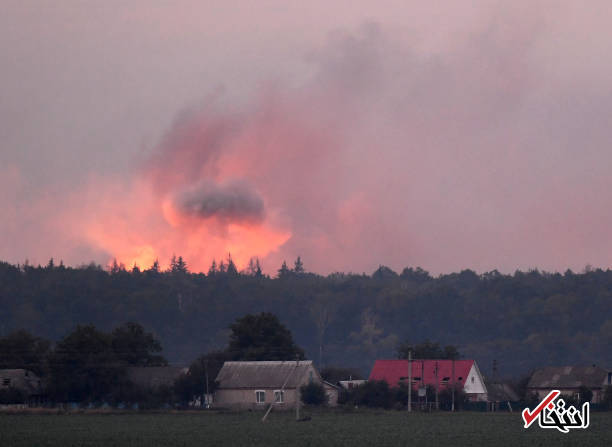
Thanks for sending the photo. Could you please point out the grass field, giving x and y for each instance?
(358, 428)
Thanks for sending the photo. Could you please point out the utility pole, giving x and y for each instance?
(437, 383)
(297, 392)
(263, 419)
(409, 381)
(423, 380)
(206, 371)
(453, 386)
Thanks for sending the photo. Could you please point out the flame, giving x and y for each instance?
(135, 227)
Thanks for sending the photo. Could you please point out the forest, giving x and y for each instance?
(523, 320)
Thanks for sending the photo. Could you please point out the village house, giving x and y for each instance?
(570, 380)
(24, 381)
(254, 385)
(440, 374)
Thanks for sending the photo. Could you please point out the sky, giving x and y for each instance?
(447, 135)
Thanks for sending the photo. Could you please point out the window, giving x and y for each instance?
(472, 379)
(260, 397)
(445, 379)
(279, 396)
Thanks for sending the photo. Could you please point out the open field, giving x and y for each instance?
(359, 428)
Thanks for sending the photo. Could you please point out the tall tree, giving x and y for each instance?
(178, 265)
(428, 350)
(262, 337)
(298, 266)
(231, 267)
(20, 349)
(284, 271)
(133, 346)
(212, 271)
(201, 377)
(84, 367)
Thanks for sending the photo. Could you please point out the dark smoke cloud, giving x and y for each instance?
(231, 202)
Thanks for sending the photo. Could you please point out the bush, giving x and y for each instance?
(12, 395)
(313, 394)
(586, 395)
(445, 398)
(375, 393)
(607, 398)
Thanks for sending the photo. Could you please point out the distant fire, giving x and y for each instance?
(197, 197)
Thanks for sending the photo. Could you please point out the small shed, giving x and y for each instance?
(254, 385)
(24, 381)
(500, 395)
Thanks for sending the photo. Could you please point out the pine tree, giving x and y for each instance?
(298, 266)
(178, 265)
(212, 271)
(251, 267)
(231, 267)
(284, 270)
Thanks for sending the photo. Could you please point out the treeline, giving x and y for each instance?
(523, 320)
(91, 367)
(85, 366)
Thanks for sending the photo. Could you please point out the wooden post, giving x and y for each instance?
(297, 392)
(409, 381)
(437, 383)
(453, 385)
(206, 371)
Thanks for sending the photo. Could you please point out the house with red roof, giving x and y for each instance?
(443, 373)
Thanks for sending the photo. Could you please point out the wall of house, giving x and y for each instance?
(332, 395)
(568, 392)
(474, 385)
(246, 399)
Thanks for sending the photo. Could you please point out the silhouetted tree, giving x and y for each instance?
(212, 271)
(231, 267)
(313, 393)
(21, 350)
(133, 346)
(298, 266)
(262, 337)
(284, 271)
(178, 265)
(84, 367)
(427, 350)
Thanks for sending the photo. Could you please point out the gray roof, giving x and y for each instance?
(268, 374)
(22, 379)
(568, 377)
(500, 392)
(154, 376)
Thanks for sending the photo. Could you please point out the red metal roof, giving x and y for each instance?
(423, 371)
